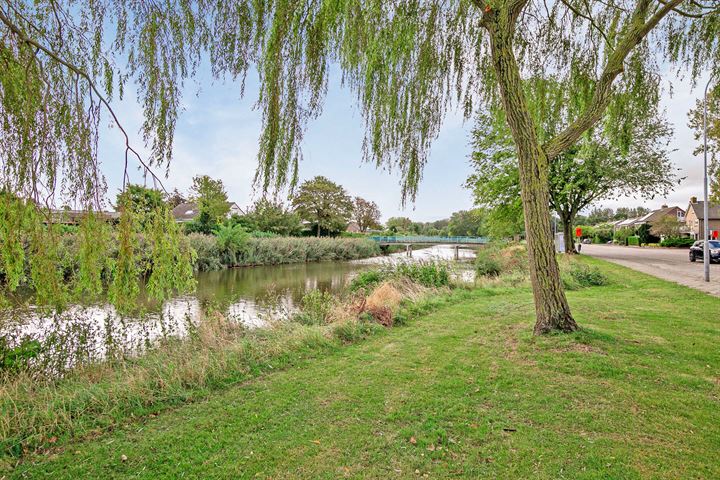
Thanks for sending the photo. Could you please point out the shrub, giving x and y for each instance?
(677, 242)
(496, 259)
(365, 280)
(621, 235)
(232, 241)
(17, 358)
(208, 252)
(315, 306)
(427, 274)
(579, 275)
(272, 250)
(633, 240)
(487, 266)
(352, 331)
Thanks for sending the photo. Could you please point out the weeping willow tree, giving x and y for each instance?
(410, 63)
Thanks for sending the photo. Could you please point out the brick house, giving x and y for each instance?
(695, 218)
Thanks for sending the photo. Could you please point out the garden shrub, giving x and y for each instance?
(633, 240)
(677, 242)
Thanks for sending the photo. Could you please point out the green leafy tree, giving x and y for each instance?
(399, 224)
(366, 214)
(143, 202)
(409, 63)
(467, 223)
(600, 215)
(667, 227)
(273, 217)
(696, 116)
(175, 198)
(586, 173)
(623, 213)
(212, 203)
(323, 203)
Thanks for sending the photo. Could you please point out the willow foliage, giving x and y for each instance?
(409, 62)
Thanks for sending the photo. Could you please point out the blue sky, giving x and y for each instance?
(217, 135)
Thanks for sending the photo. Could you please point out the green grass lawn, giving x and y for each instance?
(464, 392)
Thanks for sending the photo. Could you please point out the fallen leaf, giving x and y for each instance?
(123, 458)
(52, 439)
(413, 441)
(316, 442)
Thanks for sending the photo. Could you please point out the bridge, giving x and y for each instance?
(410, 240)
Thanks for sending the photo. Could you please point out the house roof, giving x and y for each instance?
(75, 216)
(188, 210)
(699, 209)
(185, 212)
(656, 215)
(627, 222)
(234, 204)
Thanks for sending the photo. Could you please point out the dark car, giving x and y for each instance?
(696, 251)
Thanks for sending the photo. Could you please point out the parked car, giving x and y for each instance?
(696, 251)
(586, 241)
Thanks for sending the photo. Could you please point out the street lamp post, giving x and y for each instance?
(706, 208)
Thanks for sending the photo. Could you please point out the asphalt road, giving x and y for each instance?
(666, 263)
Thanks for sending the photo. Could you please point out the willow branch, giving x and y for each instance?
(81, 73)
(603, 89)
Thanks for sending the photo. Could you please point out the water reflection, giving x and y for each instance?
(250, 296)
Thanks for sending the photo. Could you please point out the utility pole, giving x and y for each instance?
(706, 206)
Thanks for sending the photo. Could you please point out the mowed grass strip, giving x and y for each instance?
(464, 392)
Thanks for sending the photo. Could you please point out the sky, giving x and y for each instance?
(217, 135)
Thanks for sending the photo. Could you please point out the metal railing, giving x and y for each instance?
(428, 239)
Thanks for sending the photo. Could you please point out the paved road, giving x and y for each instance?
(665, 263)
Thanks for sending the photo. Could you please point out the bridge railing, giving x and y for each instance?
(429, 239)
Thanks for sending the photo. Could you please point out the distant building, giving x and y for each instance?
(627, 223)
(73, 217)
(673, 212)
(694, 220)
(353, 227)
(186, 212)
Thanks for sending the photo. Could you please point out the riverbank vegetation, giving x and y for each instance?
(216, 252)
(39, 409)
(462, 389)
(507, 262)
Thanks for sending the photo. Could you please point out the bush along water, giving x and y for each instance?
(234, 249)
(426, 274)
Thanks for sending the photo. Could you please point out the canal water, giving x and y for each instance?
(253, 296)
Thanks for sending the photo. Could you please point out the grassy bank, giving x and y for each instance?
(464, 392)
(38, 410)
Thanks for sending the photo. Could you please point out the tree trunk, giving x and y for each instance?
(552, 310)
(567, 224)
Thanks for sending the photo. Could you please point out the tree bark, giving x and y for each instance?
(552, 309)
(567, 224)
